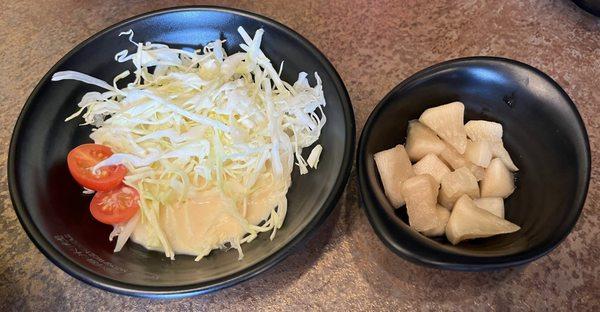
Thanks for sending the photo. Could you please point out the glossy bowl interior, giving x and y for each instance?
(55, 214)
(543, 132)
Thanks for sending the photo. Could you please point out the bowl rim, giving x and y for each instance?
(90, 277)
(589, 8)
(377, 216)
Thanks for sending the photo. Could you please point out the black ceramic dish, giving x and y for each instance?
(592, 6)
(55, 214)
(542, 131)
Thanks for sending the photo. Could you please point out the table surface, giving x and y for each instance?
(344, 266)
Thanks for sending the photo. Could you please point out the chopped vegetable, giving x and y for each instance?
(421, 141)
(457, 164)
(194, 121)
(443, 215)
(491, 132)
(432, 165)
(313, 157)
(447, 122)
(456, 184)
(457, 161)
(494, 205)
(498, 180)
(115, 206)
(467, 221)
(81, 161)
(420, 193)
(478, 153)
(394, 167)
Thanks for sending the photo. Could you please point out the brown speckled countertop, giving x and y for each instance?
(344, 267)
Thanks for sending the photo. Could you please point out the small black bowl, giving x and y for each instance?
(592, 6)
(55, 214)
(543, 132)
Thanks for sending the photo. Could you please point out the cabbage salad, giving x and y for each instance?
(209, 141)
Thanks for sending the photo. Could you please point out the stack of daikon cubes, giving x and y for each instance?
(453, 177)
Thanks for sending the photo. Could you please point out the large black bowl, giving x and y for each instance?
(54, 213)
(542, 131)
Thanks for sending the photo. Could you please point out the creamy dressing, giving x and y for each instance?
(265, 197)
(208, 220)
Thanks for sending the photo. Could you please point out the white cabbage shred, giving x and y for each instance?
(199, 120)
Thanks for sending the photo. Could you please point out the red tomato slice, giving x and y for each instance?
(84, 157)
(115, 206)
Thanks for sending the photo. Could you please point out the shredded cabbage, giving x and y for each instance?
(199, 120)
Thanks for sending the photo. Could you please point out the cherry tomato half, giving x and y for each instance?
(115, 206)
(84, 157)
